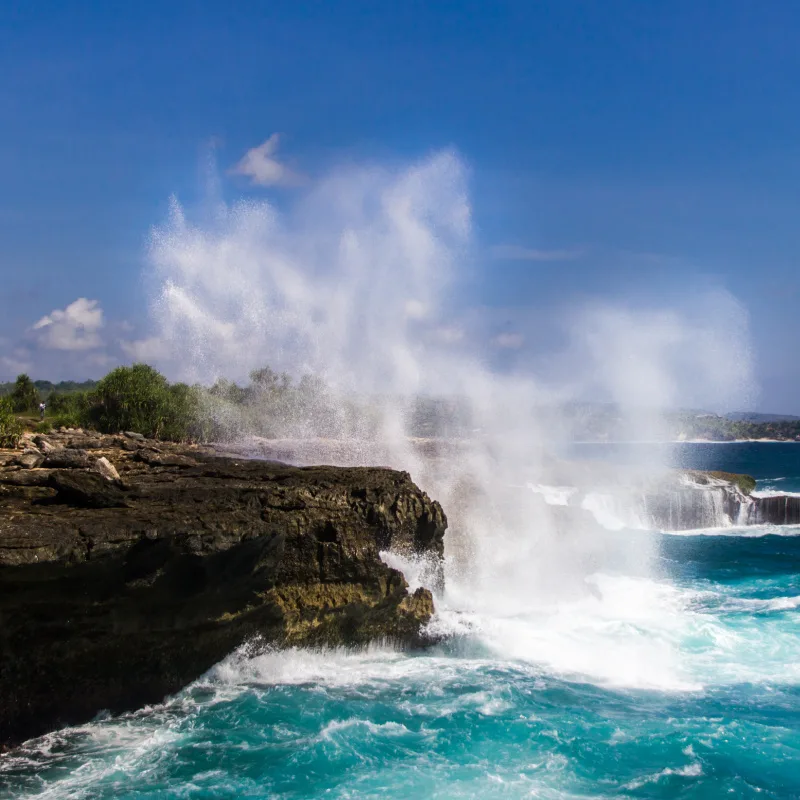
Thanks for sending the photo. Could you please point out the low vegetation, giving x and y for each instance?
(141, 399)
(10, 426)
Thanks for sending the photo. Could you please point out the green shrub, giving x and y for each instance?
(24, 396)
(140, 399)
(44, 427)
(10, 426)
(184, 418)
(71, 409)
(66, 420)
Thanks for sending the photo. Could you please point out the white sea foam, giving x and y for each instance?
(554, 495)
(755, 531)
(693, 770)
(761, 605)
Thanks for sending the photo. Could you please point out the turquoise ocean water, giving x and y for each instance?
(681, 680)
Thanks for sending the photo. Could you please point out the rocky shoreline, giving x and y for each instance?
(129, 567)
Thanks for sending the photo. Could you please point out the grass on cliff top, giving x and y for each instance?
(746, 483)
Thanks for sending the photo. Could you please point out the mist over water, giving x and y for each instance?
(360, 282)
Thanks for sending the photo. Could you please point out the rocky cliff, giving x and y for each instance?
(694, 499)
(128, 568)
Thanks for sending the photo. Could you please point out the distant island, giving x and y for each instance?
(598, 422)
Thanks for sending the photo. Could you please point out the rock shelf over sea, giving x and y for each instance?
(129, 567)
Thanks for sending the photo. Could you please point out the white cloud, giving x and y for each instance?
(74, 328)
(515, 252)
(14, 363)
(263, 169)
(147, 350)
(509, 341)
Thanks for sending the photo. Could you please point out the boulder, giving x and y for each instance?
(105, 468)
(44, 445)
(30, 459)
(67, 458)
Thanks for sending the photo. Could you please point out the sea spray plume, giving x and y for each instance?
(647, 360)
(353, 284)
(339, 285)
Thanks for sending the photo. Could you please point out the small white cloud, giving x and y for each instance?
(147, 350)
(515, 252)
(74, 328)
(509, 341)
(263, 169)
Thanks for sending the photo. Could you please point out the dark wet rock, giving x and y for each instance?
(24, 477)
(716, 499)
(114, 594)
(777, 510)
(85, 490)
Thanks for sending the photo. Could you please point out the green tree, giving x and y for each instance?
(24, 396)
(130, 399)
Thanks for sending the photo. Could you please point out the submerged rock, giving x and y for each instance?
(115, 593)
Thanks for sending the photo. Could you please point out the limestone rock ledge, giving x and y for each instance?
(117, 592)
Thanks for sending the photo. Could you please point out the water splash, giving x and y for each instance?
(358, 282)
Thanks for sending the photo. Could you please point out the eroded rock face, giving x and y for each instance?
(115, 593)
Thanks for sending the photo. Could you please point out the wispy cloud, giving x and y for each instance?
(263, 169)
(75, 327)
(515, 252)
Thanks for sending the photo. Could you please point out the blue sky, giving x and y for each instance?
(651, 149)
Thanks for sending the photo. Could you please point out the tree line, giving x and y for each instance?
(139, 398)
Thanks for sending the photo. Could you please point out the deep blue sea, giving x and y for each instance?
(678, 678)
